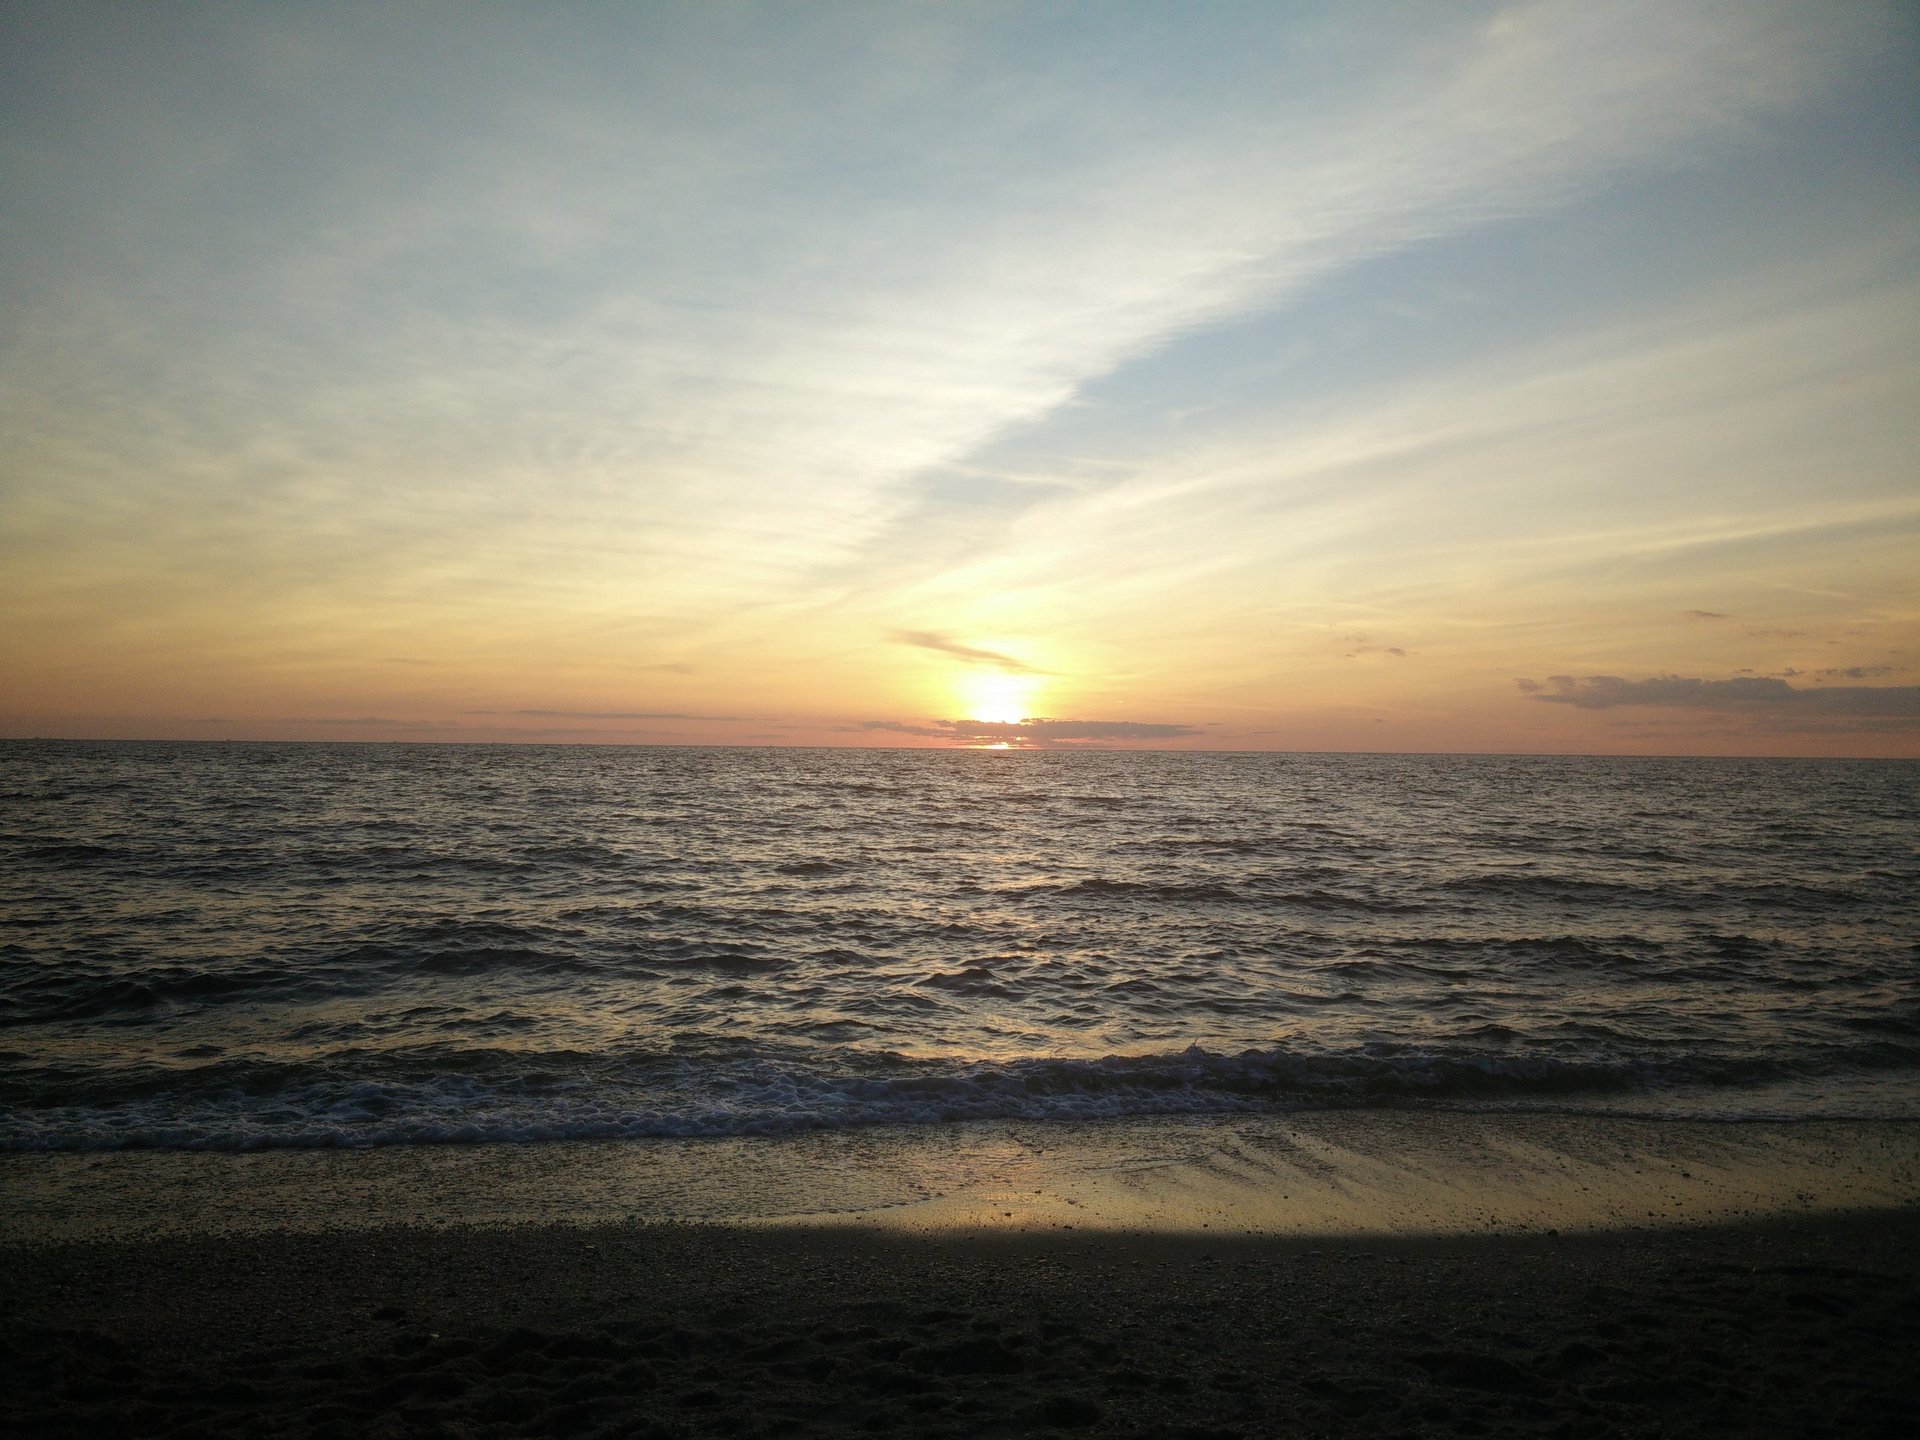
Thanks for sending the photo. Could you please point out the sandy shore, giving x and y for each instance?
(1797, 1327)
(992, 1283)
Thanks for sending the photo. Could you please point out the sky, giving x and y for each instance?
(1536, 377)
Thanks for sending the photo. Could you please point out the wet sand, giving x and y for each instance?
(1323, 1173)
(1102, 1307)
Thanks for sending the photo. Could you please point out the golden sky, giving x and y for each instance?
(1511, 377)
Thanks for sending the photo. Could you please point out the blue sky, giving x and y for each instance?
(1252, 375)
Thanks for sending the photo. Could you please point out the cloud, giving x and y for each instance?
(1607, 692)
(972, 654)
(1040, 732)
(625, 332)
(1395, 651)
(605, 714)
(363, 722)
(783, 310)
(1703, 614)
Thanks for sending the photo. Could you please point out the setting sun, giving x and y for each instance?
(997, 698)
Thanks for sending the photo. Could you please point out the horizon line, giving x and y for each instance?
(1066, 748)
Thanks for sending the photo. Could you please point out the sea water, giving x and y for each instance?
(240, 946)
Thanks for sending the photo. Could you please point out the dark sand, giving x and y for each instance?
(1801, 1326)
(1330, 1274)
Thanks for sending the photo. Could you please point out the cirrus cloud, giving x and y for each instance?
(972, 654)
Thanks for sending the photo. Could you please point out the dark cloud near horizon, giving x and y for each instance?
(972, 654)
(1037, 731)
(1704, 614)
(1764, 693)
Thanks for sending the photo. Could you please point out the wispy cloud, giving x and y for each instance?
(605, 715)
(972, 654)
(1674, 444)
(1364, 645)
(524, 311)
(1854, 672)
(363, 722)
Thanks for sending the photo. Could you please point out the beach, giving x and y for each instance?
(1794, 1311)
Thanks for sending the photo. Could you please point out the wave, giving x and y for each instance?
(427, 1096)
(77, 852)
(810, 869)
(38, 995)
(1552, 887)
(1098, 887)
(118, 987)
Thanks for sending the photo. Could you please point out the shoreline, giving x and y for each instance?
(1385, 1172)
(1358, 1273)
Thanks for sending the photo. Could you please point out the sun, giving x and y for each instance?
(995, 697)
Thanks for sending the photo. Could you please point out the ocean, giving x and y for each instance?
(257, 946)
